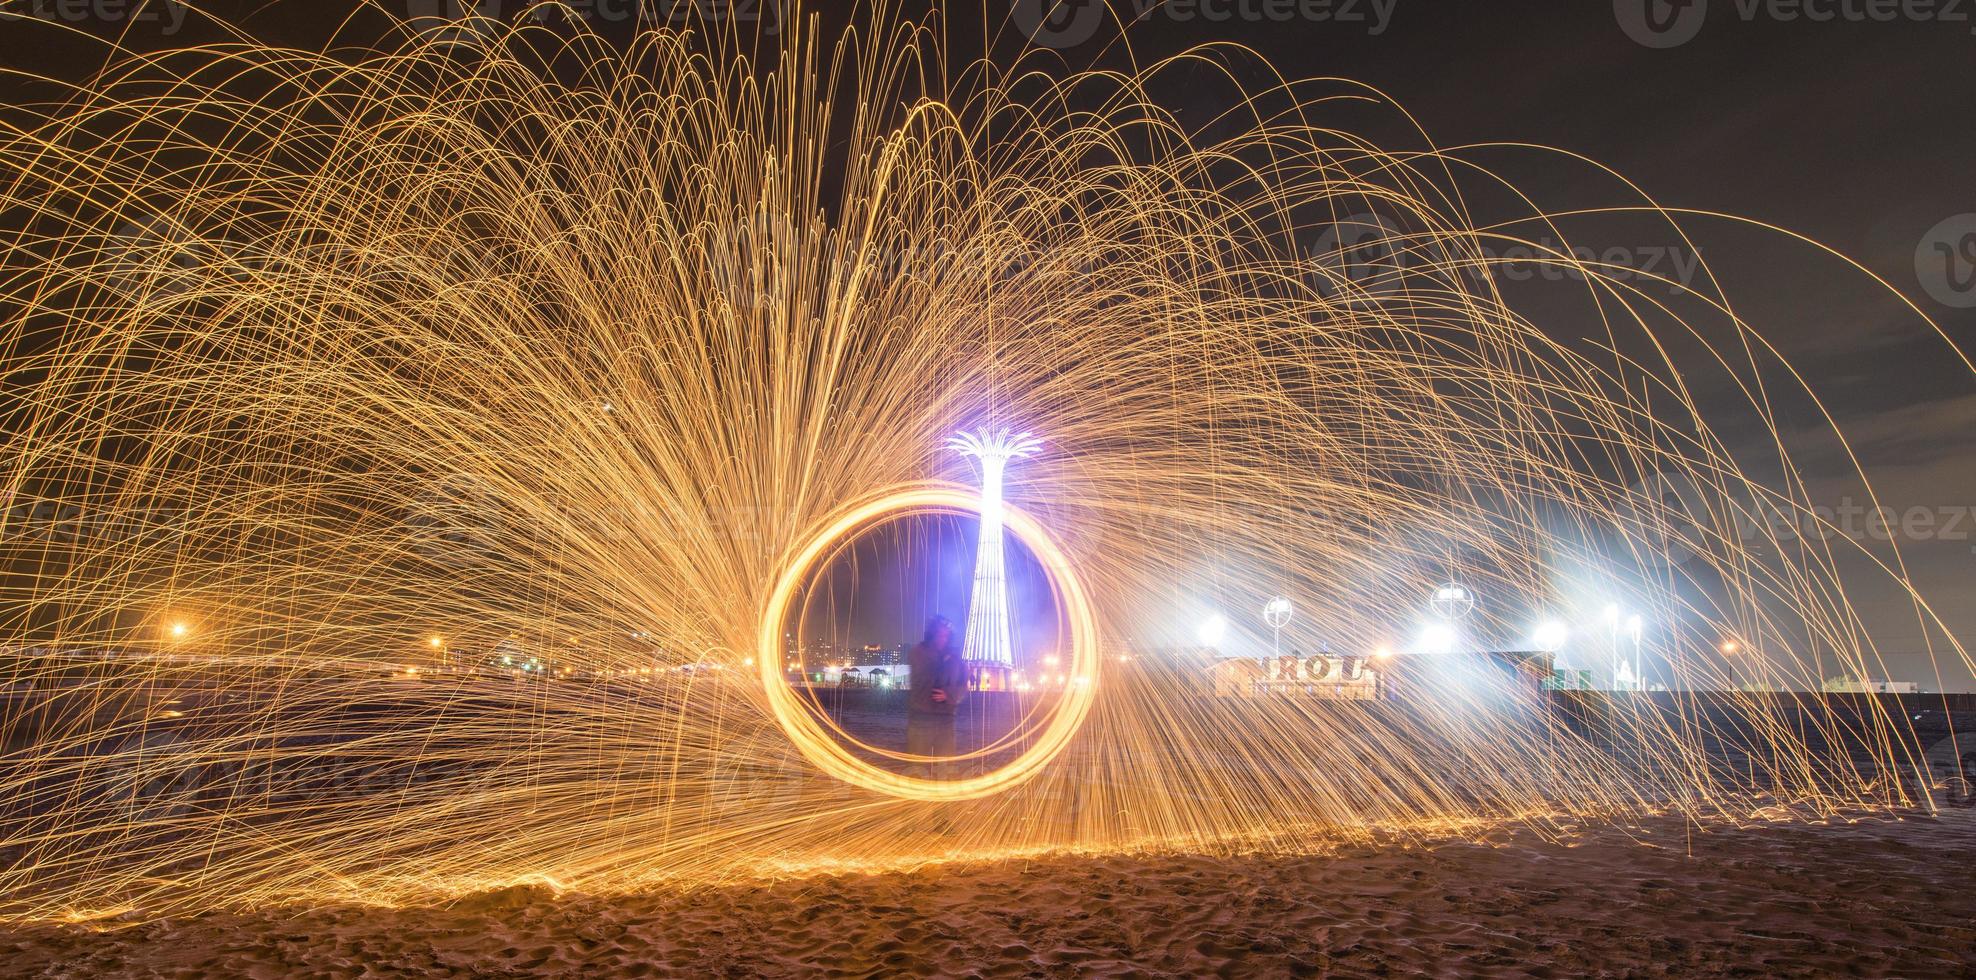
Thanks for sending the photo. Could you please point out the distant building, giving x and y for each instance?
(1324, 676)
(990, 675)
(883, 678)
(1475, 676)
(1861, 685)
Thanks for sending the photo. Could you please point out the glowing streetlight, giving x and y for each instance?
(1213, 630)
(1549, 636)
(1452, 601)
(1612, 618)
(1276, 615)
(1730, 647)
(179, 630)
(1437, 638)
(1634, 628)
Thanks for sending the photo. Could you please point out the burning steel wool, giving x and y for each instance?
(415, 457)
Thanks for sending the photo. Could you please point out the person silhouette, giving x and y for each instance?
(939, 685)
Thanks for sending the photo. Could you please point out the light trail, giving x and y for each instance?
(831, 748)
(565, 353)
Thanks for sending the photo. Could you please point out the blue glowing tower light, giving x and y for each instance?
(988, 637)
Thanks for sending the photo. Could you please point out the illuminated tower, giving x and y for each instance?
(990, 654)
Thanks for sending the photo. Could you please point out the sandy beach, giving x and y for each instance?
(1867, 898)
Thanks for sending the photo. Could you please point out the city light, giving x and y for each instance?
(841, 756)
(1276, 613)
(357, 389)
(1549, 636)
(1213, 630)
(1437, 638)
(988, 636)
(1452, 602)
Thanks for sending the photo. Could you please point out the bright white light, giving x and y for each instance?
(1437, 638)
(1452, 602)
(1213, 630)
(988, 636)
(1612, 615)
(1549, 636)
(1633, 626)
(1276, 614)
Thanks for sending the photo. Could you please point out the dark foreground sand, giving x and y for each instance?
(1880, 898)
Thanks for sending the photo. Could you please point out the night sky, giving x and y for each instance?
(1854, 133)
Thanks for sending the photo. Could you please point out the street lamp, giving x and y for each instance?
(1549, 636)
(1634, 626)
(1452, 601)
(1437, 638)
(1213, 630)
(1612, 618)
(1276, 615)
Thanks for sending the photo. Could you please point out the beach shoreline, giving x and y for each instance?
(1873, 897)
